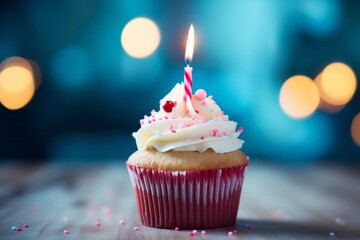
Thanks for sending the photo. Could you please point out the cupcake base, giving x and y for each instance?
(187, 199)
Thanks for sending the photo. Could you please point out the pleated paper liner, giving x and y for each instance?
(187, 199)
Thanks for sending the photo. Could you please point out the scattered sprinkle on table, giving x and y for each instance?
(18, 229)
(331, 234)
(248, 226)
(339, 221)
(66, 231)
(26, 226)
(122, 222)
(203, 232)
(230, 233)
(176, 229)
(13, 228)
(136, 228)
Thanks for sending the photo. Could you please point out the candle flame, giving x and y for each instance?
(190, 45)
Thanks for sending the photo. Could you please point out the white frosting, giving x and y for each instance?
(192, 125)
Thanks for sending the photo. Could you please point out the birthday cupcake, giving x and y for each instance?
(188, 170)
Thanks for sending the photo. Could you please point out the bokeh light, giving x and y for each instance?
(140, 37)
(336, 84)
(299, 97)
(325, 106)
(36, 73)
(355, 129)
(17, 85)
(71, 67)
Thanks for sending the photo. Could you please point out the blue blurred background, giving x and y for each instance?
(93, 94)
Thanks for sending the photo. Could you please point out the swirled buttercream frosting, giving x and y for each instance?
(188, 124)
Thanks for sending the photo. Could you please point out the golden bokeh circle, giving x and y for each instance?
(140, 37)
(299, 97)
(17, 85)
(355, 129)
(337, 84)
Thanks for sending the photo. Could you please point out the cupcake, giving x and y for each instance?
(188, 170)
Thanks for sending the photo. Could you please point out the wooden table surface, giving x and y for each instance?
(314, 202)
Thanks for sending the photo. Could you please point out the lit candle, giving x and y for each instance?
(188, 58)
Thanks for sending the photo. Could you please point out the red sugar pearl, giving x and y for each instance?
(168, 106)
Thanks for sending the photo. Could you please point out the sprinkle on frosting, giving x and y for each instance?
(214, 131)
(200, 94)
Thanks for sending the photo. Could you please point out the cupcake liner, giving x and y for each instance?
(187, 199)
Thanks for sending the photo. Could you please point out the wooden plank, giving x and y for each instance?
(277, 202)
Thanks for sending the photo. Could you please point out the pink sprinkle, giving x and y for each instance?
(187, 111)
(202, 137)
(122, 222)
(176, 229)
(203, 232)
(197, 111)
(184, 98)
(191, 234)
(203, 103)
(173, 130)
(136, 228)
(66, 231)
(175, 103)
(230, 233)
(18, 229)
(224, 133)
(26, 226)
(240, 130)
(160, 119)
(200, 94)
(195, 232)
(149, 121)
(166, 117)
(98, 224)
(142, 122)
(214, 132)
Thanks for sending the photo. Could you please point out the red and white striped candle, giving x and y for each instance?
(188, 80)
(188, 58)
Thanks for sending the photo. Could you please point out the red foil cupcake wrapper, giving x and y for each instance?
(187, 199)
